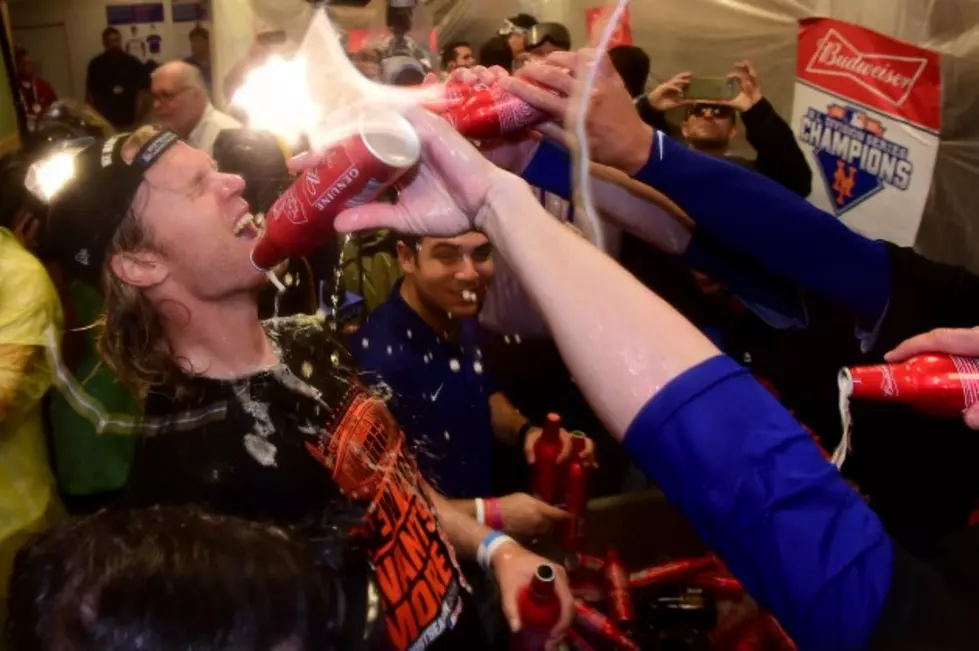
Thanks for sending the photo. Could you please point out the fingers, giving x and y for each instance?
(566, 60)
(553, 513)
(567, 608)
(954, 341)
(510, 609)
(682, 78)
(554, 131)
(498, 72)
(430, 78)
(589, 453)
(549, 76)
(370, 216)
(972, 417)
(539, 98)
(528, 451)
(565, 446)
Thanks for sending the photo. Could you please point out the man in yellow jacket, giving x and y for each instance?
(30, 314)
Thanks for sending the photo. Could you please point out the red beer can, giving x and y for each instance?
(937, 384)
(441, 98)
(595, 622)
(588, 591)
(723, 586)
(493, 113)
(617, 587)
(670, 572)
(578, 643)
(580, 561)
(540, 610)
(570, 532)
(355, 171)
(547, 449)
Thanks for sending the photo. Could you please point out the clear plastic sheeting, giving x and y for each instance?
(708, 36)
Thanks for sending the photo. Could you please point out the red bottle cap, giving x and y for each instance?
(542, 585)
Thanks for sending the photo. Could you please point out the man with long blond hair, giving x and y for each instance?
(261, 420)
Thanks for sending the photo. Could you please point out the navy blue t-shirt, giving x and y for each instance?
(441, 393)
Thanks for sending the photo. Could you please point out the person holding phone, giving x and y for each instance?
(710, 123)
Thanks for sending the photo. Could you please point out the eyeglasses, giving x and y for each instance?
(166, 98)
(710, 110)
(556, 33)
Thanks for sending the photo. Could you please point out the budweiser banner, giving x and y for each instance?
(867, 114)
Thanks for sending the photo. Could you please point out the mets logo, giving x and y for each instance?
(855, 159)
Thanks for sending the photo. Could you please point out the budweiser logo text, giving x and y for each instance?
(889, 77)
(337, 188)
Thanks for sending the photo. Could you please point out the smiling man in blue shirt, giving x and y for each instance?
(422, 345)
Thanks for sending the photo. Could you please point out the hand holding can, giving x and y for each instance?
(351, 172)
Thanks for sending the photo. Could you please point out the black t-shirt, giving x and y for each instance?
(114, 80)
(305, 445)
(933, 606)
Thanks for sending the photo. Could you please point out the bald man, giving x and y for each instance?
(181, 103)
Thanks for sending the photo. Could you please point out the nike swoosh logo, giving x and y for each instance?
(435, 396)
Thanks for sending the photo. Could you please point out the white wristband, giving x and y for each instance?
(492, 542)
(480, 510)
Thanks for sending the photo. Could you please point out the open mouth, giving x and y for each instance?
(249, 226)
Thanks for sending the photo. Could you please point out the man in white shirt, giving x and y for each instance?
(181, 104)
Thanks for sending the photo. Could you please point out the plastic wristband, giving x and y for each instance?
(480, 510)
(494, 515)
(492, 542)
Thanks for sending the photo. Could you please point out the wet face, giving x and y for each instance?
(199, 226)
(463, 58)
(450, 274)
(176, 105)
(711, 125)
(112, 42)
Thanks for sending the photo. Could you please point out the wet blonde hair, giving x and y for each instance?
(132, 340)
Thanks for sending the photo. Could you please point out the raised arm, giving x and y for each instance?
(745, 473)
(738, 208)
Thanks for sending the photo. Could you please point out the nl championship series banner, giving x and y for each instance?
(867, 114)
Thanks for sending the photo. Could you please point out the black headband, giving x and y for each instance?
(85, 215)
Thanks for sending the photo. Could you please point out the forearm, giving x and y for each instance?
(507, 421)
(763, 220)
(611, 358)
(622, 201)
(759, 492)
(461, 529)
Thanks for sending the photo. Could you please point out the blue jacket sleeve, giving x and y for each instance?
(783, 232)
(755, 217)
(773, 300)
(761, 495)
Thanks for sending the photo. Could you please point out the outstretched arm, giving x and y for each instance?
(751, 480)
(738, 208)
